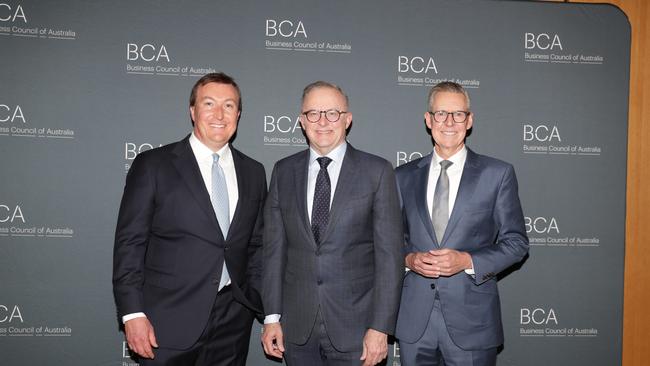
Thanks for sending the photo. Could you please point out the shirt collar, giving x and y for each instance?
(336, 155)
(203, 153)
(458, 159)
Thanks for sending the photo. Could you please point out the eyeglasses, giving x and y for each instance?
(456, 116)
(331, 115)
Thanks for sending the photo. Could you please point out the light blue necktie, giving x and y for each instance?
(221, 208)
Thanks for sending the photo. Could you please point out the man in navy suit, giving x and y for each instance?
(463, 224)
(332, 245)
(186, 273)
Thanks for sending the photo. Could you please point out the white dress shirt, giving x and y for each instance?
(333, 170)
(454, 172)
(203, 156)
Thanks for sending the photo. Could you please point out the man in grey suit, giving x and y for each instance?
(332, 267)
(463, 224)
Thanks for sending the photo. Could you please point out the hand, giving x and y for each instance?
(422, 263)
(375, 347)
(140, 336)
(448, 262)
(273, 340)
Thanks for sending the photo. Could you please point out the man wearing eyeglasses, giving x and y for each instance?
(333, 258)
(463, 225)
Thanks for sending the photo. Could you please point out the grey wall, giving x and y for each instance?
(86, 85)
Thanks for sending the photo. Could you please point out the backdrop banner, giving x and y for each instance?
(86, 85)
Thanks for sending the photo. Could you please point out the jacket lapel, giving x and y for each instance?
(188, 169)
(242, 188)
(468, 184)
(420, 181)
(347, 177)
(301, 171)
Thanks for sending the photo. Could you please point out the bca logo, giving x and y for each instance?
(9, 14)
(541, 225)
(282, 124)
(147, 52)
(9, 214)
(541, 133)
(417, 64)
(131, 150)
(537, 316)
(11, 113)
(404, 157)
(285, 28)
(542, 41)
(9, 314)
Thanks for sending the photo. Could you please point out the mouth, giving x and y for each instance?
(217, 125)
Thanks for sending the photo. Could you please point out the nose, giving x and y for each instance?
(219, 113)
(449, 121)
(323, 121)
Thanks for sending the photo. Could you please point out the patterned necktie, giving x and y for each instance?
(221, 208)
(440, 209)
(320, 210)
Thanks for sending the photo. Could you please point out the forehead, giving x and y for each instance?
(325, 96)
(217, 91)
(444, 98)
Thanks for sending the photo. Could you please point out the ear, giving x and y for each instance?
(427, 119)
(348, 120)
(301, 117)
(192, 113)
(470, 121)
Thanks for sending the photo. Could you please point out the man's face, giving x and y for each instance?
(215, 114)
(449, 136)
(323, 135)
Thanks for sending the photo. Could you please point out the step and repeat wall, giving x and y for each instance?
(86, 85)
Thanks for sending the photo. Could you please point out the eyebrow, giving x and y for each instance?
(213, 99)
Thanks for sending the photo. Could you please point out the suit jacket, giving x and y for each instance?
(487, 222)
(169, 249)
(354, 275)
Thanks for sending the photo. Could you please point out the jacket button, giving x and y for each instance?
(319, 282)
(433, 286)
(226, 248)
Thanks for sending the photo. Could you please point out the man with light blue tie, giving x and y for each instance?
(187, 266)
(463, 224)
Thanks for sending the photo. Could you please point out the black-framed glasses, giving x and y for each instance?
(331, 115)
(456, 116)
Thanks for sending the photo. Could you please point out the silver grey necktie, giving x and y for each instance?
(221, 207)
(440, 209)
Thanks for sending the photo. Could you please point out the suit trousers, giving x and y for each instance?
(437, 348)
(224, 340)
(319, 351)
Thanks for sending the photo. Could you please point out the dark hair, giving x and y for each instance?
(215, 77)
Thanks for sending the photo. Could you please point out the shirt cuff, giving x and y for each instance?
(128, 317)
(272, 318)
(470, 271)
